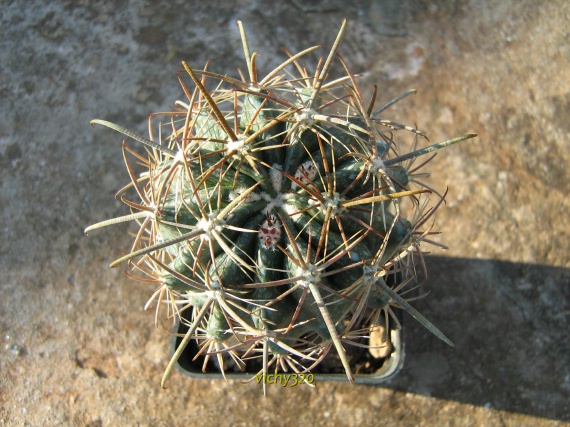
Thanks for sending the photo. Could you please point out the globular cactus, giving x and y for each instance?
(272, 217)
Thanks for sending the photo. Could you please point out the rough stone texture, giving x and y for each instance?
(77, 348)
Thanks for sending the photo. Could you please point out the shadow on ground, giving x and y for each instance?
(509, 322)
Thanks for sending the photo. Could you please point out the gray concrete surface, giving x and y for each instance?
(77, 348)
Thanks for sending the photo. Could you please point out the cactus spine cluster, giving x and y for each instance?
(271, 212)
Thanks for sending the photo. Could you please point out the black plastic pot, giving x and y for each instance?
(383, 369)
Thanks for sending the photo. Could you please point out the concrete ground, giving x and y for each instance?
(77, 347)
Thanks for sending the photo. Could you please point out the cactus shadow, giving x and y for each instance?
(509, 322)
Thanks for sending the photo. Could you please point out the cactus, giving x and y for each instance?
(272, 215)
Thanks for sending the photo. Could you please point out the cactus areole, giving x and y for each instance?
(275, 215)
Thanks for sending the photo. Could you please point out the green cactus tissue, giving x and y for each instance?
(279, 220)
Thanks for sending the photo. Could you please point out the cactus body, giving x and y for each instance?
(272, 213)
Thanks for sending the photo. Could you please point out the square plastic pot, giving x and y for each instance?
(383, 369)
